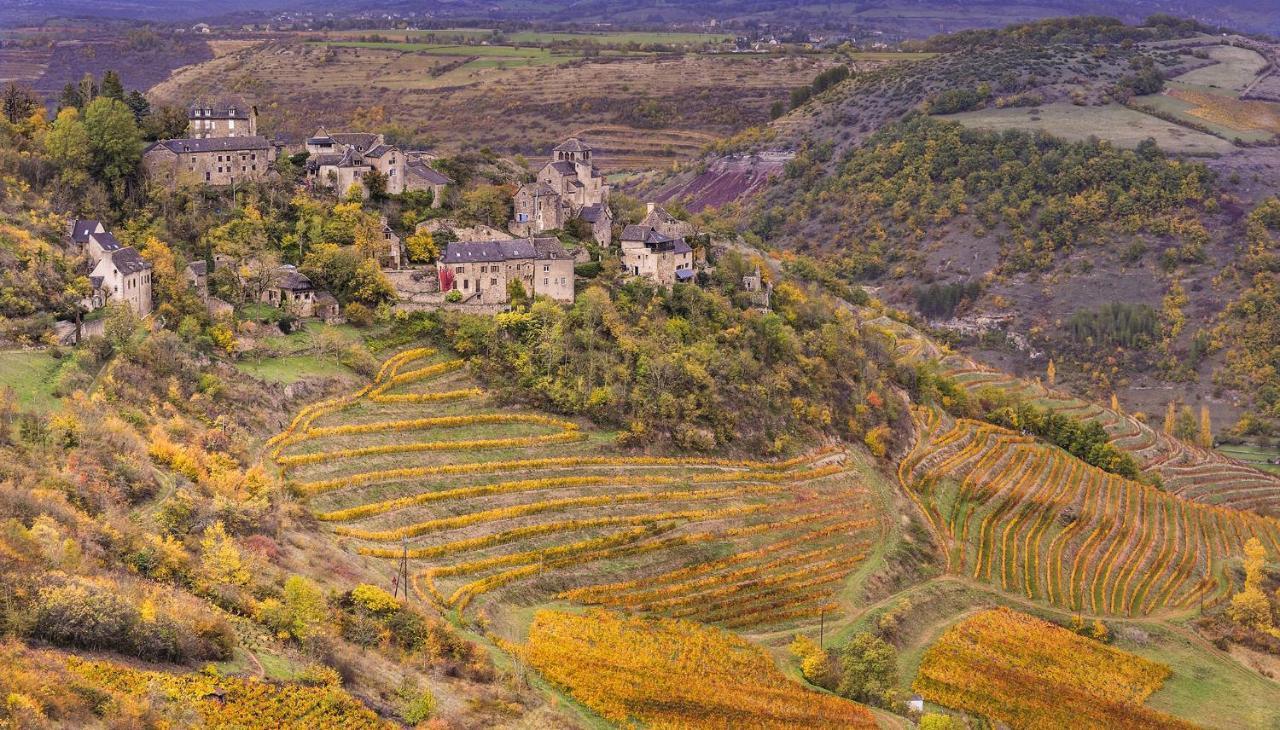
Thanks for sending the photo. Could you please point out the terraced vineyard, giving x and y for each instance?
(1184, 469)
(504, 505)
(1028, 518)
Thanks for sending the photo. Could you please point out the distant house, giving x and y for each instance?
(293, 291)
(122, 275)
(419, 175)
(482, 270)
(650, 253)
(341, 159)
(393, 254)
(215, 161)
(229, 119)
(564, 188)
(197, 275)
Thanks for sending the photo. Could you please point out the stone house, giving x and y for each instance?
(293, 292)
(340, 159)
(648, 252)
(564, 188)
(215, 161)
(668, 225)
(197, 276)
(221, 120)
(393, 255)
(420, 175)
(122, 275)
(481, 270)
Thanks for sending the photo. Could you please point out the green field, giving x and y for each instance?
(31, 374)
(1120, 125)
(1255, 456)
(1236, 67)
(309, 352)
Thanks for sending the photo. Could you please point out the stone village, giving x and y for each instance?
(478, 267)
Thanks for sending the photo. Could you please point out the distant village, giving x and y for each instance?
(224, 148)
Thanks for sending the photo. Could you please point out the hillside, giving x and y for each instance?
(995, 189)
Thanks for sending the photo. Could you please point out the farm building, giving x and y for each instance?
(567, 187)
(209, 161)
(419, 175)
(482, 270)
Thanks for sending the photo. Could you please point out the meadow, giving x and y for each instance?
(1122, 126)
(31, 374)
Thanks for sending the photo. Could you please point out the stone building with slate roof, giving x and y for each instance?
(648, 252)
(341, 159)
(565, 187)
(293, 291)
(122, 275)
(216, 161)
(227, 119)
(482, 270)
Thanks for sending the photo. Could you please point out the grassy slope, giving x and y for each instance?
(31, 375)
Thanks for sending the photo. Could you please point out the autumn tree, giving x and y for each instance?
(221, 563)
(421, 247)
(114, 140)
(487, 204)
(868, 670)
(1250, 606)
(1170, 417)
(68, 148)
(1205, 437)
(1051, 373)
(815, 663)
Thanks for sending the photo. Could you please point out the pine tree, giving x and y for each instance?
(112, 87)
(1206, 427)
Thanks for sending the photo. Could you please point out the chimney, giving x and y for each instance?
(649, 208)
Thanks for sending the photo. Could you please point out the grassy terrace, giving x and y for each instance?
(31, 374)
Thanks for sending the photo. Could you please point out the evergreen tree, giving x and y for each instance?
(139, 105)
(70, 98)
(112, 87)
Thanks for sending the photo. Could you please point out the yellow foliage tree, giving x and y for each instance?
(1115, 403)
(1206, 427)
(1051, 373)
(1250, 606)
(220, 560)
(422, 247)
(815, 663)
(1170, 418)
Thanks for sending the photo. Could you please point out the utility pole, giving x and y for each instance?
(404, 566)
(822, 628)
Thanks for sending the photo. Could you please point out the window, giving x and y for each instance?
(522, 217)
(466, 283)
(545, 282)
(206, 176)
(461, 269)
(546, 268)
(493, 282)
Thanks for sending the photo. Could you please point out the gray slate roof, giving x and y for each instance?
(106, 241)
(379, 150)
(128, 261)
(464, 252)
(81, 228)
(593, 213)
(212, 144)
(564, 167)
(218, 111)
(427, 173)
(290, 278)
(573, 144)
(199, 268)
(360, 140)
(654, 239)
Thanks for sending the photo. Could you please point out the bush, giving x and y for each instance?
(359, 314)
(453, 296)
